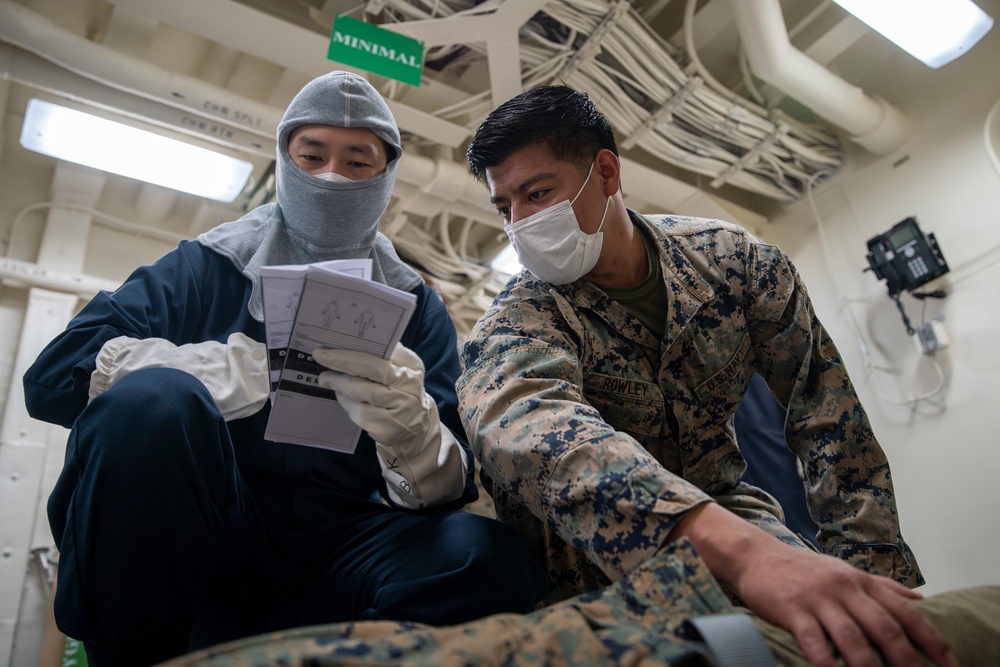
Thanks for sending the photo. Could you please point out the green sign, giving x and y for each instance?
(376, 50)
(74, 654)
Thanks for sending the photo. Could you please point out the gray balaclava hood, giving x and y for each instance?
(316, 220)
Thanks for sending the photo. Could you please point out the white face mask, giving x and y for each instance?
(333, 177)
(551, 244)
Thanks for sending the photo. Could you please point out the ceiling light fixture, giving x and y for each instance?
(75, 136)
(933, 31)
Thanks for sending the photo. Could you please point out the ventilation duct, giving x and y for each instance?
(870, 122)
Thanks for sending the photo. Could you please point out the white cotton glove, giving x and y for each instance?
(422, 462)
(234, 372)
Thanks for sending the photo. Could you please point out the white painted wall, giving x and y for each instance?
(31, 452)
(944, 452)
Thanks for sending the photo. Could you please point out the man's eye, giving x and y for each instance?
(359, 165)
(311, 158)
(504, 212)
(536, 195)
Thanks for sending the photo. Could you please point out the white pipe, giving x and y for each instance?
(870, 122)
(34, 275)
(442, 178)
(452, 186)
(415, 202)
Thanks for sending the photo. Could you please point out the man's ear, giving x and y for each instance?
(610, 171)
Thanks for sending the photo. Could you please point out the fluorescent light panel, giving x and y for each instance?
(933, 31)
(68, 134)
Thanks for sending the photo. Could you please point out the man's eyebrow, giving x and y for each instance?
(305, 139)
(529, 183)
(364, 149)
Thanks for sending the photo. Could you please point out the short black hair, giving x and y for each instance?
(562, 119)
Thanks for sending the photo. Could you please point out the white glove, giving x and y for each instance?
(234, 372)
(422, 462)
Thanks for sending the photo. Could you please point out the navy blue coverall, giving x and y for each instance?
(178, 530)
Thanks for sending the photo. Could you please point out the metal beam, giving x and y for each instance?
(504, 59)
(473, 28)
(499, 30)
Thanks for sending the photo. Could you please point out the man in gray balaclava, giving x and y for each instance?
(178, 525)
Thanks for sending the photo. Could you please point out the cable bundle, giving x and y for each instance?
(679, 114)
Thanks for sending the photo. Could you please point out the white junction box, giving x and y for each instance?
(931, 337)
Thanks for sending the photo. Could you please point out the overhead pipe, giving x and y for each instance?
(447, 181)
(416, 201)
(870, 122)
(428, 180)
(34, 275)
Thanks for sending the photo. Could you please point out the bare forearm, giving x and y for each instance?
(724, 541)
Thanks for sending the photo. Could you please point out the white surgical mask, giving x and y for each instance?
(333, 177)
(551, 244)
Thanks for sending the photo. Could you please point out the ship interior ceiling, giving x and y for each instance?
(698, 134)
(741, 110)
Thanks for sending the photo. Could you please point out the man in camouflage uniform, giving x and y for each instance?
(599, 388)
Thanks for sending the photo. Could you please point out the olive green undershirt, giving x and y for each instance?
(648, 300)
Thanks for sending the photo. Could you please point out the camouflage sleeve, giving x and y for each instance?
(536, 435)
(849, 486)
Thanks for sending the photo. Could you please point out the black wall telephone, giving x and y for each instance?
(905, 258)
